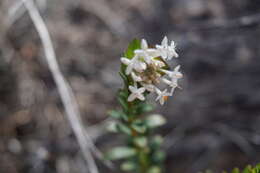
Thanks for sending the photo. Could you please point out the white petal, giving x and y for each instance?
(173, 45)
(153, 52)
(174, 54)
(148, 87)
(148, 59)
(172, 90)
(139, 52)
(131, 97)
(141, 97)
(132, 89)
(141, 90)
(129, 69)
(125, 61)
(166, 81)
(144, 44)
(162, 101)
(164, 54)
(140, 66)
(177, 68)
(135, 77)
(158, 92)
(165, 41)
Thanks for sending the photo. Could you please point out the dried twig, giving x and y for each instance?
(67, 96)
(17, 10)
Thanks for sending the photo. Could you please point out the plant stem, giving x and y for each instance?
(143, 159)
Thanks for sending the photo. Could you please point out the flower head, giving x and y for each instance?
(147, 70)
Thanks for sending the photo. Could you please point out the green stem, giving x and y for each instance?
(143, 159)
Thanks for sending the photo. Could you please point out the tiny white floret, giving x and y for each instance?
(135, 77)
(136, 93)
(162, 95)
(167, 51)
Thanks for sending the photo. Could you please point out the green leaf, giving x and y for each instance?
(144, 107)
(115, 114)
(156, 141)
(112, 127)
(118, 115)
(123, 76)
(128, 166)
(133, 45)
(155, 120)
(121, 153)
(123, 103)
(235, 170)
(247, 169)
(124, 129)
(155, 169)
(123, 93)
(158, 156)
(141, 141)
(139, 126)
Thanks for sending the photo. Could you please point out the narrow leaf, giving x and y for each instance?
(121, 153)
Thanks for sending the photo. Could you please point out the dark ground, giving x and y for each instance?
(213, 122)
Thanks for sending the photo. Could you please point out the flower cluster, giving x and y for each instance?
(149, 70)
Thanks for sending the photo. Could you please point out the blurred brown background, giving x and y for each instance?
(213, 122)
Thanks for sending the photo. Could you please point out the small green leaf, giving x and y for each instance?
(139, 126)
(158, 156)
(112, 127)
(157, 141)
(235, 170)
(128, 166)
(121, 153)
(247, 169)
(114, 114)
(118, 115)
(123, 94)
(155, 169)
(123, 103)
(133, 45)
(155, 120)
(124, 129)
(141, 141)
(123, 76)
(144, 107)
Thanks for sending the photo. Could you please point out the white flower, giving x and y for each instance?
(175, 73)
(162, 95)
(166, 51)
(133, 63)
(135, 77)
(143, 55)
(146, 52)
(136, 93)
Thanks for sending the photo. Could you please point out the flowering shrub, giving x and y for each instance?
(144, 70)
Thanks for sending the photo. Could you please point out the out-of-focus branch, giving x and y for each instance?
(67, 96)
(16, 11)
(244, 21)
